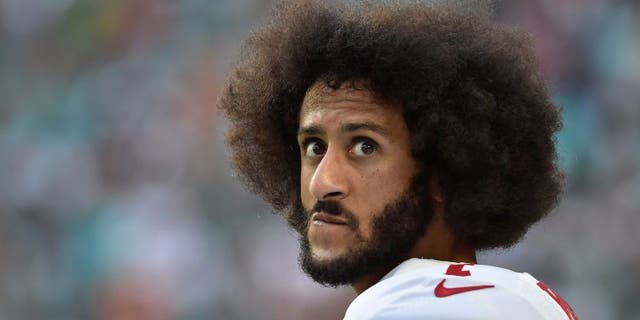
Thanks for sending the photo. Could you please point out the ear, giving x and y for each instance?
(434, 190)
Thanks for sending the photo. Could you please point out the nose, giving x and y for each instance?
(330, 178)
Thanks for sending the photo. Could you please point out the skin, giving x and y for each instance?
(355, 150)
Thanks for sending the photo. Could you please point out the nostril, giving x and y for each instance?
(333, 194)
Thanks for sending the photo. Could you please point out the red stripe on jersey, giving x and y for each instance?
(563, 304)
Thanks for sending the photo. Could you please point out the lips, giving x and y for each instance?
(327, 218)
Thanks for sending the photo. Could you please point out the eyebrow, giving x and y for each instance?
(348, 127)
(310, 131)
(370, 126)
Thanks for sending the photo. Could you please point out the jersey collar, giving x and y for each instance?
(415, 264)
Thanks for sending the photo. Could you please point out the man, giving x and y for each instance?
(398, 140)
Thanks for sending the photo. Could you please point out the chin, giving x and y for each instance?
(326, 255)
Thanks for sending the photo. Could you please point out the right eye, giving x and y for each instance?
(314, 148)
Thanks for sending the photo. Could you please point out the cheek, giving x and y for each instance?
(390, 182)
(384, 186)
(305, 194)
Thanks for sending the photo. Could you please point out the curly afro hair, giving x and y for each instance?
(478, 110)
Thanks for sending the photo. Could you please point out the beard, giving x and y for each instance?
(395, 230)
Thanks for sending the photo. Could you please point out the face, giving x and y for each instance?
(358, 209)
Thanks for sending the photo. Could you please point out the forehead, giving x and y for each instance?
(347, 102)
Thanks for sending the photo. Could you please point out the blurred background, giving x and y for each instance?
(117, 200)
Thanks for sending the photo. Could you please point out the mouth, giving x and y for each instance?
(325, 218)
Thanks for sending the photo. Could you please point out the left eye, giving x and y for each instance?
(364, 148)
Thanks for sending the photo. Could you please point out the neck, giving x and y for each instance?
(438, 242)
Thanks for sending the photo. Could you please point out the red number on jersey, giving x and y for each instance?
(456, 270)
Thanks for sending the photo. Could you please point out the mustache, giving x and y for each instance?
(335, 208)
(330, 207)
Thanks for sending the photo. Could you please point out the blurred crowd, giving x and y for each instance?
(117, 200)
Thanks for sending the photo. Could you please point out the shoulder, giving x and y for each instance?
(429, 289)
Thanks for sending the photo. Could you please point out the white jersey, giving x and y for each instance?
(431, 289)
